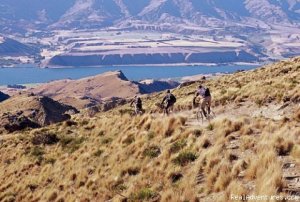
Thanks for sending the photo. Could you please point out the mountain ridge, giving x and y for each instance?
(267, 29)
(101, 13)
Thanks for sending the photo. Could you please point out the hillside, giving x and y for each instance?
(114, 156)
(88, 92)
(23, 111)
(10, 47)
(14, 52)
(101, 13)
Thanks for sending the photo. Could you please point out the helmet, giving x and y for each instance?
(168, 91)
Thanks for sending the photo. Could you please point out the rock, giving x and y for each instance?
(27, 111)
(3, 96)
(17, 122)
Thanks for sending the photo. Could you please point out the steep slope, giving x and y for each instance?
(10, 47)
(153, 158)
(89, 14)
(100, 13)
(22, 111)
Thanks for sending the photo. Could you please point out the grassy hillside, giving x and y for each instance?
(114, 157)
(275, 83)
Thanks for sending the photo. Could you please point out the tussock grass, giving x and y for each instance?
(153, 158)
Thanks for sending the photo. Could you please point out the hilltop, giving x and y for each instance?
(94, 90)
(251, 147)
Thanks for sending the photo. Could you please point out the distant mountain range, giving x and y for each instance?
(258, 29)
(137, 14)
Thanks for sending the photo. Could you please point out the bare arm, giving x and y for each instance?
(164, 100)
(132, 103)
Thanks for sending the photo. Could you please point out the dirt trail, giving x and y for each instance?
(237, 111)
(290, 168)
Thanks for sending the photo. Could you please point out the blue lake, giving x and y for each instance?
(26, 75)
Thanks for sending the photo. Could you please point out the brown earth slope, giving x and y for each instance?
(99, 89)
(89, 91)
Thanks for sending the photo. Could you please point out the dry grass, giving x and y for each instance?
(154, 158)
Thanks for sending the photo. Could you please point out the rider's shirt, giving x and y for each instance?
(201, 92)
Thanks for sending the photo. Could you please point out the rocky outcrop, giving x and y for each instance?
(106, 106)
(27, 111)
(3, 96)
(15, 122)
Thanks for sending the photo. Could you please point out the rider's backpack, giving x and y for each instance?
(139, 101)
(172, 98)
(207, 92)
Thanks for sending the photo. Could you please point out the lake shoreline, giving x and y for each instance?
(27, 75)
(140, 65)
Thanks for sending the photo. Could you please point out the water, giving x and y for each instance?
(26, 75)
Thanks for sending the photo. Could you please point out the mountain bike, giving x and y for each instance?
(200, 115)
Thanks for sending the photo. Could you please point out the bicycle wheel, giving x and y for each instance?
(199, 116)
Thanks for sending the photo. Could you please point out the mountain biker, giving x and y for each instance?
(138, 105)
(205, 95)
(168, 102)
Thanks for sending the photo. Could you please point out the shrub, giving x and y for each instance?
(144, 194)
(210, 127)
(71, 143)
(206, 143)
(132, 171)
(130, 139)
(38, 153)
(106, 140)
(126, 111)
(259, 102)
(283, 147)
(46, 139)
(50, 161)
(197, 132)
(184, 158)
(152, 151)
(98, 153)
(177, 146)
(101, 133)
(175, 177)
(70, 123)
(150, 135)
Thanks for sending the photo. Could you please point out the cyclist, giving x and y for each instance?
(168, 102)
(205, 95)
(138, 105)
